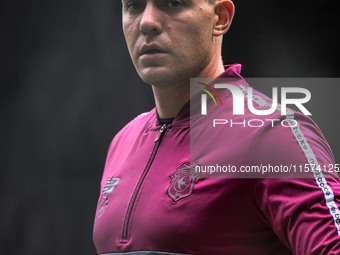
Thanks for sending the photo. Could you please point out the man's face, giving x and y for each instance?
(169, 40)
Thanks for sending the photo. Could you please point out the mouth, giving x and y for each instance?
(152, 51)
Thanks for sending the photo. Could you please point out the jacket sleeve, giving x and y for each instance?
(303, 212)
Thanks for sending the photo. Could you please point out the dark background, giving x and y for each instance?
(67, 86)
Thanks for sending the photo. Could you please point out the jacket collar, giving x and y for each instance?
(183, 117)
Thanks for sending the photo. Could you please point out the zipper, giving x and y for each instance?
(126, 225)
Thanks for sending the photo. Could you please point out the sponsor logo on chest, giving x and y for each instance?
(103, 200)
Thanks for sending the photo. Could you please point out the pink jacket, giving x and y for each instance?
(153, 202)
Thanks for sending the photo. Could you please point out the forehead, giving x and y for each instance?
(162, 1)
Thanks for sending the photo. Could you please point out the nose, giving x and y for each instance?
(151, 21)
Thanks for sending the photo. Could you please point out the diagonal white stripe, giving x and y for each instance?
(310, 156)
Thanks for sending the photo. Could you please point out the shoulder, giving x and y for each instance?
(134, 128)
(140, 122)
(292, 139)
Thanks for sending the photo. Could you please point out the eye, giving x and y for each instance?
(134, 6)
(174, 4)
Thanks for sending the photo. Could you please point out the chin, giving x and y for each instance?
(157, 76)
(155, 80)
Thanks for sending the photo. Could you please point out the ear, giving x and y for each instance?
(224, 11)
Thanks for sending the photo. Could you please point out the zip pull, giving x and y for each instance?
(160, 133)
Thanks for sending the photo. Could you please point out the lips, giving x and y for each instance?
(152, 49)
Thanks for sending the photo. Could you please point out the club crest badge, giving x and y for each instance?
(182, 182)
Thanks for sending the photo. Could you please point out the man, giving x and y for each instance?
(152, 202)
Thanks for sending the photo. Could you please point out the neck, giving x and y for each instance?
(170, 99)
